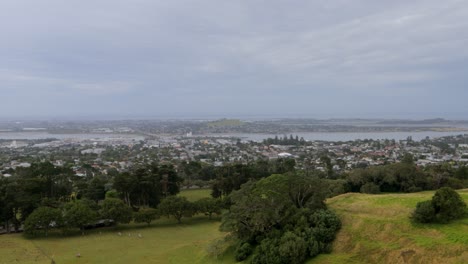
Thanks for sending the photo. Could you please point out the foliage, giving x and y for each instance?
(424, 212)
(145, 215)
(398, 177)
(116, 210)
(78, 214)
(243, 251)
(295, 141)
(177, 207)
(145, 186)
(209, 206)
(292, 248)
(370, 187)
(446, 205)
(42, 218)
(230, 177)
(283, 216)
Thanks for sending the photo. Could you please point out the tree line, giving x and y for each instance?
(85, 214)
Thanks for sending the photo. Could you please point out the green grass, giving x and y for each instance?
(162, 242)
(377, 229)
(195, 194)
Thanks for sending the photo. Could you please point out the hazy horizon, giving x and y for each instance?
(198, 59)
(228, 116)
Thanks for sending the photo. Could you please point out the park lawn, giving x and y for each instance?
(377, 229)
(195, 194)
(165, 241)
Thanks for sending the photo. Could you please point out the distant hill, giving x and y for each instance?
(225, 123)
(376, 229)
(416, 122)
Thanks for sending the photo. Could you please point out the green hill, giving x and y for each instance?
(226, 123)
(376, 229)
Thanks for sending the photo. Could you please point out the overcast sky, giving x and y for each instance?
(330, 58)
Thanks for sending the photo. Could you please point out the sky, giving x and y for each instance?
(220, 58)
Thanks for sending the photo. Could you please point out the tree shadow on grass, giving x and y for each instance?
(163, 222)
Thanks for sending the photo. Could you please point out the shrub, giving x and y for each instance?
(448, 205)
(243, 251)
(424, 212)
(292, 249)
(267, 252)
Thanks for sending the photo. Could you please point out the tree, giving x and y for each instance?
(95, 190)
(116, 210)
(177, 207)
(285, 217)
(146, 215)
(42, 218)
(78, 214)
(209, 206)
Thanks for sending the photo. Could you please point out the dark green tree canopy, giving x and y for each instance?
(43, 218)
(283, 216)
(177, 207)
(116, 210)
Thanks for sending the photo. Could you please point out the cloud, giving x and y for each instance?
(210, 55)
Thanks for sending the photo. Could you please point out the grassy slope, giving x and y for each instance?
(376, 229)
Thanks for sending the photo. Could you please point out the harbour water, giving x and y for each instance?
(347, 136)
(322, 136)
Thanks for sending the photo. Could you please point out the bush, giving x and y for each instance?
(325, 224)
(448, 205)
(292, 249)
(267, 252)
(243, 251)
(424, 212)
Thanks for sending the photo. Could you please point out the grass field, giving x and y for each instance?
(195, 194)
(165, 241)
(376, 229)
